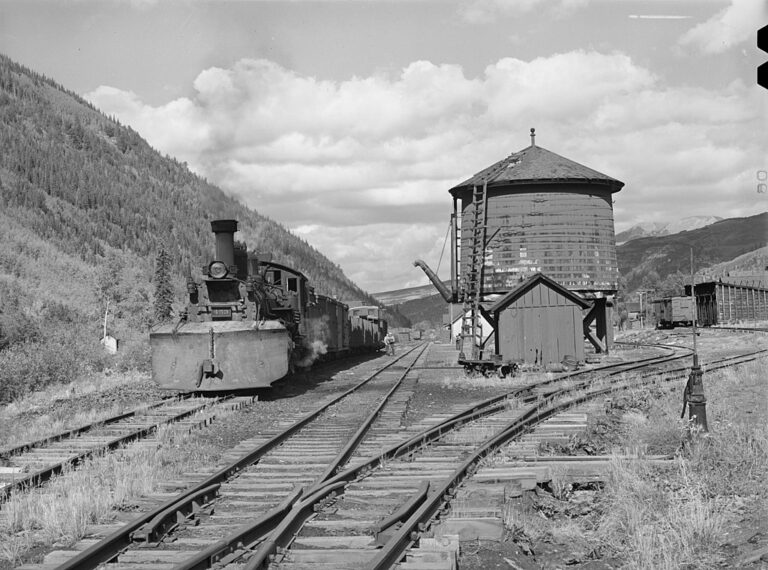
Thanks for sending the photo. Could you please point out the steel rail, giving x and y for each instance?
(115, 543)
(289, 525)
(407, 534)
(740, 329)
(170, 518)
(21, 448)
(380, 534)
(112, 545)
(43, 475)
(490, 406)
(278, 541)
(233, 547)
(271, 545)
(395, 549)
(355, 440)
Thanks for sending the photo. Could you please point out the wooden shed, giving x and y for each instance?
(539, 322)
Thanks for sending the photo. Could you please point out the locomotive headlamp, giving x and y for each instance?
(218, 270)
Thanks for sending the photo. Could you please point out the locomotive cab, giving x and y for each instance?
(287, 293)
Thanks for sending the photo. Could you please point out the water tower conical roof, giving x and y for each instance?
(536, 165)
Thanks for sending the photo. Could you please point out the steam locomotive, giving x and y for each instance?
(250, 322)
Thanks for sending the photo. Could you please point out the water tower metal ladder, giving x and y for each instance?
(473, 277)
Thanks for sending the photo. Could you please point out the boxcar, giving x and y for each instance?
(673, 311)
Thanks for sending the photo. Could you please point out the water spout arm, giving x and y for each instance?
(442, 289)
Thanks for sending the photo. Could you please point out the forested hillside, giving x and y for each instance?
(85, 206)
(82, 180)
(648, 262)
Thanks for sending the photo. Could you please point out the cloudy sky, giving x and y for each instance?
(349, 120)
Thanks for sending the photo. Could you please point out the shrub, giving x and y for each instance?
(17, 327)
(58, 354)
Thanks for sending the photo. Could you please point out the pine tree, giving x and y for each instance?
(163, 290)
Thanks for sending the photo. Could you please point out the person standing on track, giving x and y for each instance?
(389, 342)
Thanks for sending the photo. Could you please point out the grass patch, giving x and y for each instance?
(478, 382)
(656, 518)
(67, 406)
(669, 516)
(95, 492)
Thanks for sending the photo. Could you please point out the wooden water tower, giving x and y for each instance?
(536, 212)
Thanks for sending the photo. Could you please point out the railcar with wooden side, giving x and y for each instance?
(673, 312)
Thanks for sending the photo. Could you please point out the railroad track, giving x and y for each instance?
(423, 486)
(34, 463)
(745, 328)
(347, 501)
(329, 431)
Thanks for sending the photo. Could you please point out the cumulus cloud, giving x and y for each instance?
(733, 25)
(361, 167)
(177, 127)
(367, 251)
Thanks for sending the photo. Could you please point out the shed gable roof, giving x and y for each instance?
(530, 283)
(537, 164)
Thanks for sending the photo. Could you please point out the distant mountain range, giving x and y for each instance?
(651, 229)
(643, 261)
(733, 249)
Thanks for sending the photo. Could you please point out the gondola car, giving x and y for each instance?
(249, 323)
(367, 327)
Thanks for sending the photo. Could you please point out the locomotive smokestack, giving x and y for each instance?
(225, 240)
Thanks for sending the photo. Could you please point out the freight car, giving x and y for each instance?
(673, 311)
(730, 303)
(368, 327)
(248, 323)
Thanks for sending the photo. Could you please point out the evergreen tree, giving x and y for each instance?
(163, 290)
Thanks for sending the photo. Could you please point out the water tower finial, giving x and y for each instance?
(533, 136)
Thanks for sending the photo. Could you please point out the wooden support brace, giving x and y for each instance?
(588, 334)
(593, 339)
(604, 331)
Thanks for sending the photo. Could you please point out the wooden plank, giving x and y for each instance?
(59, 557)
(333, 542)
(144, 566)
(145, 556)
(485, 528)
(339, 524)
(341, 555)
(424, 559)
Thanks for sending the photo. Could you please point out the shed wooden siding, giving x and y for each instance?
(562, 230)
(540, 327)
